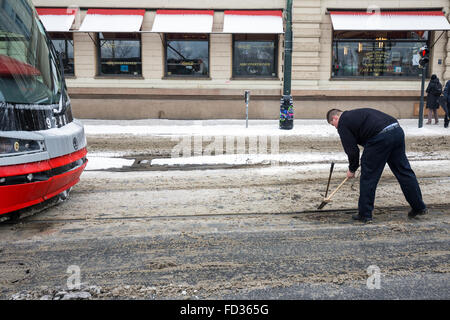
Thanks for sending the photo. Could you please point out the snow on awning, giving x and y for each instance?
(183, 21)
(258, 21)
(57, 19)
(389, 20)
(113, 20)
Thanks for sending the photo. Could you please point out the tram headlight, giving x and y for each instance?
(19, 146)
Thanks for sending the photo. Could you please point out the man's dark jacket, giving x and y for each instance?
(357, 127)
(434, 91)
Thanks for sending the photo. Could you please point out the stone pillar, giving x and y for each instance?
(446, 71)
(306, 19)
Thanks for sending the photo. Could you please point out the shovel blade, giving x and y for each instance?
(322, 204)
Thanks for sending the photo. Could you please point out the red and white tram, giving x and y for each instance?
(42, 148)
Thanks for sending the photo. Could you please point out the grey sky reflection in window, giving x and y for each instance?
(255, 55)
(120, 54)
(187, 57)
(64, 45)
(377, 54)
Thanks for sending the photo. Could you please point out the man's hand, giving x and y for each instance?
(350, 174)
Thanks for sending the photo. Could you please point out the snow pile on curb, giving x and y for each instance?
(302, 127)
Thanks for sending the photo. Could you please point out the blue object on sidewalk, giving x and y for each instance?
(286, 113)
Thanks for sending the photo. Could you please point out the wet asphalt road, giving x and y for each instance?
(307, 260)
(233, 234)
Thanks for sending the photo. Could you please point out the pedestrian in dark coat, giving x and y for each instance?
(384, 142)
(446, 104)
(434, 91)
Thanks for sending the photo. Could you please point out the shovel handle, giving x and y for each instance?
(329, 178)
(332, 194)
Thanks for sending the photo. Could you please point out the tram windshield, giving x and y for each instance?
(33, 94)
(29, 72)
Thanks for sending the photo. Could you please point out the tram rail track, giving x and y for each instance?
(24, 220)
(291, 181)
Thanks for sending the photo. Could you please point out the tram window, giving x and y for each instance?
(63, 43)
(255, 56)
(119, 54)
(28, 71)
(187, 55)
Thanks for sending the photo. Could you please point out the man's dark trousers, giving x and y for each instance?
(387, 147)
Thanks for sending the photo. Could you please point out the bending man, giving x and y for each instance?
(384, 142)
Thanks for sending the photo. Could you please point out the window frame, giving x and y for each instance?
(99, 61)
(334, 41)
(188, 76)
(276, 40)
(65, 36)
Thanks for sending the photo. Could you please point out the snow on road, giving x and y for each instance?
(302, 127)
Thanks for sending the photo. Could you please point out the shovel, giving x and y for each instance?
(329, 178)
(328, 199)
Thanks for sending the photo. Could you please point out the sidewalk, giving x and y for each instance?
(302, 127)
(311, 130)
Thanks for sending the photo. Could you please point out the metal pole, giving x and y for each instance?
(286, 103)
(246, 115)
(288, 50)
(422, 88)
(246, 98)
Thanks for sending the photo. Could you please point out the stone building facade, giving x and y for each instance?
(329, 67)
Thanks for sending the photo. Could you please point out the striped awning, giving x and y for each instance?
(253, 21)
(389, 20)
(113, 20)
(57, 19)
(183, 21)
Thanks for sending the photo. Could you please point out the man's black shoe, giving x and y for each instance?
(361, 218)
(414, 213)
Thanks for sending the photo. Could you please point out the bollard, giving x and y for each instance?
(246, 98)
